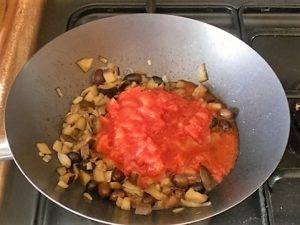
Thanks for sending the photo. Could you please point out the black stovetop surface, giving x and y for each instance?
(272, 28)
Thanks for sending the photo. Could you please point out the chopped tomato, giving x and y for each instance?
(154, 132)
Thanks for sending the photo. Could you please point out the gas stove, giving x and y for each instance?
(272, 28)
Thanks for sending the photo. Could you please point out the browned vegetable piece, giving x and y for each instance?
(92, 143)
(115, 185)
(104, 190)
(85, 104)
(208, 97)
(135, 200)
(188, 87)
(193, 178)
(202, 73)
(117, 175)
(143, 209)
(148, 199)
(97, 77)
(207, 180)
(171, 202)
(84, 152)
(117, 194)
(133, 177)
(179, 193)
(180, 180)
(226, 113)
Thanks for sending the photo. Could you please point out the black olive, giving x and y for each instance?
(110, 92)
(74, 156)
(123, 85)
(71, 179)
(157, 80)
(198, 187)
(136, 77)
(91, 186)
(83, 165)
(180, 180)
(98, 77)
(224, 125)
(117, 175)
(104, 190)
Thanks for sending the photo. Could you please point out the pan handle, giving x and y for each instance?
(5, 153)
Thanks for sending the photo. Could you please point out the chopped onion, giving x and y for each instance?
(87, 196)
(43, 148)
(85, 64)
(62, 184)
(193, 204)
(155, 193)
(143, 209)
(64, 159)
(61, 170)
(177, 210)
(202, 73)
(57, 146)
(59, 92)
(125, 204)
(47, 158)
(194, 196)
(77, 100)
(103, 59)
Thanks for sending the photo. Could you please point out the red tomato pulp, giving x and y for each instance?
(154, 132)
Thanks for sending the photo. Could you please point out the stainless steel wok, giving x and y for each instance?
(176, 46)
